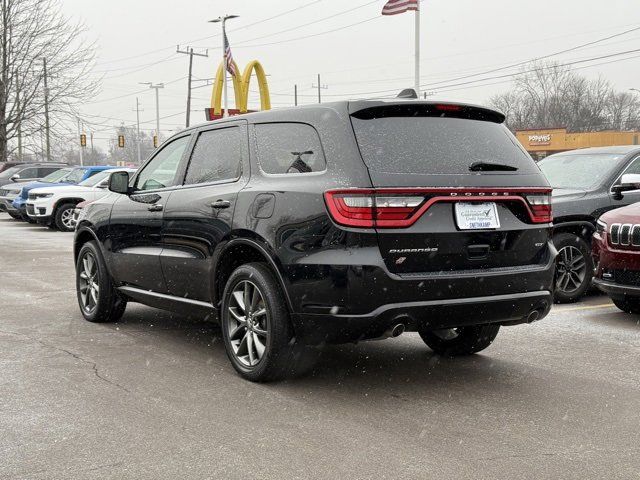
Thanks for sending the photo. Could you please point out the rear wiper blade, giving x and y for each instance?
(491, 167)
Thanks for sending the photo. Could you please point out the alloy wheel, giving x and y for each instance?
(89, 288)
(572, 269)
(248, 325)
(67, 218)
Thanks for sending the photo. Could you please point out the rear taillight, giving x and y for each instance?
(540, 205)
(401, 208)
(365, 208)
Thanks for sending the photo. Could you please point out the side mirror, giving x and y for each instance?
(15, 177)
(628, 182)
(119, 182)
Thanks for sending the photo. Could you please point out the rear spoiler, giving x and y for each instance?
(369, 110)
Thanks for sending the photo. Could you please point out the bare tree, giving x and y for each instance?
(549, 95)
(32, 32)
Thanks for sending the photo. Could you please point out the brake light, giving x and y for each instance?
(402, 207)
(365, 208)
(448, 108)
(540, 205)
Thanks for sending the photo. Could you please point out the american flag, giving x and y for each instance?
(394, 7)
(228, 57)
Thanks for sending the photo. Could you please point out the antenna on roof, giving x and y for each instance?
(408, 93)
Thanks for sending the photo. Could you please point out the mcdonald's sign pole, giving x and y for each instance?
(223, 20)
(417, 50)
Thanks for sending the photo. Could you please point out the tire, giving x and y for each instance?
(628, 304)
(107, 305)
(243, 331)
(64, 215)
(574, 267)
(460, 341)
(27, 219)
(15, 216)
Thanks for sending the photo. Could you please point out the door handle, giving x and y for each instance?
(155, 207)
(221, 204)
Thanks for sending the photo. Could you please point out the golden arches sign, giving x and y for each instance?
(241, 88)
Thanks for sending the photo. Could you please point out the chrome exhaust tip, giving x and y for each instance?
(397, 330)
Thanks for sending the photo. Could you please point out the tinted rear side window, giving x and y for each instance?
(216, 156)
(289, 148)
(437, 145)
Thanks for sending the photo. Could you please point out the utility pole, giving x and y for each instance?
(189, 51)
(295, 95)
(138, 129)
(319, 87)
(81, 152)
(157, 87)
(223, 20)
(19, 120)
(46, 109)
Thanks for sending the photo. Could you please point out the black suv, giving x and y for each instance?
(586, 183)
(332, 223)
(27, 172)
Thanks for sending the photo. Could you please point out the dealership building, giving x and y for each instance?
(542, 142)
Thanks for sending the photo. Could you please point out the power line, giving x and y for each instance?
(132, 93)
(240, 45)
(431, 85)
(297, 27)
(567, 50)
(212, 36)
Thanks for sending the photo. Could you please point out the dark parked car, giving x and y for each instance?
(616, 254)
(333, 223)
(586, 183)
(6, 165)
(28, 172)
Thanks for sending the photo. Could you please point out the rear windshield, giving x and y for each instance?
(57, 175)
(437, 145)
(579, 171)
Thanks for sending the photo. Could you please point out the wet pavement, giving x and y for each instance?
(154, 396)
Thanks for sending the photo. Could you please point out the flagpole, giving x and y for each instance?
(223, 21)
(225, 113)
(417, 50)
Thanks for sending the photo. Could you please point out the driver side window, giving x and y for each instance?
(634, 167)
(161, 171)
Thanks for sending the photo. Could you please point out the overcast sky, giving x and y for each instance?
(137, 43)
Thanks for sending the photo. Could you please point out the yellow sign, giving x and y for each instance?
(559, 140)
(241, 88)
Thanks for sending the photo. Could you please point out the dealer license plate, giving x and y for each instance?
(477, 216)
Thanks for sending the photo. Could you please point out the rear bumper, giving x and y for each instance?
(616, 290)
(508, 309)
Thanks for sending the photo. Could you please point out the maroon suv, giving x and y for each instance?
(616, 255)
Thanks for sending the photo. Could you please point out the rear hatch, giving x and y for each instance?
(454, 192)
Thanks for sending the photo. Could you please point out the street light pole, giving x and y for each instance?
(223, 20)
(157, 88)
(138, 130)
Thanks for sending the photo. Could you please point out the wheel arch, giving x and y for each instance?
(83, 235)
(62, 201)
(240, 251)
(583, 226)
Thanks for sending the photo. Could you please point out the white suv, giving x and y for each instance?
(54, 206)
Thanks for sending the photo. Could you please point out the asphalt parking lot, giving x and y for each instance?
(154, 396)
